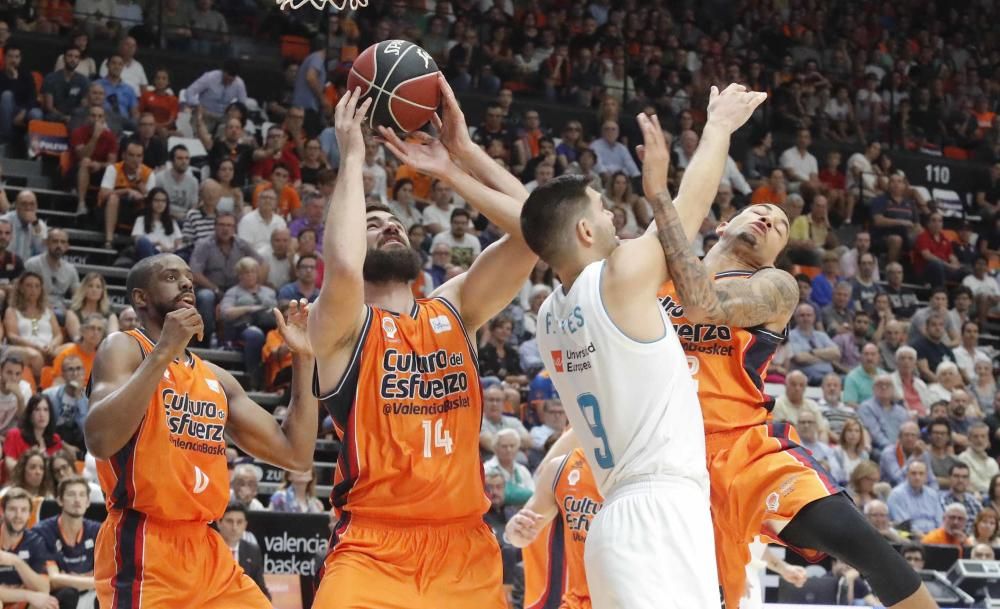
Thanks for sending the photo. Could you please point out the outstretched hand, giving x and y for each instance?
(654, 154)
(733, 106)
(347, 119)
(293, 330)
(452, 129)
(426, 154)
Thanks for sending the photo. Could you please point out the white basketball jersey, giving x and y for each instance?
(633, 405)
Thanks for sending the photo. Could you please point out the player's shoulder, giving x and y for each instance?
(33, 539)
(45, 528)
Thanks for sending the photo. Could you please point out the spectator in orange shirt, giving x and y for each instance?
(952, 529)
(775, 190)
(289, 204)
(421, 183)
(95, 326)
(161, 103)
(277, 359)
(984, 116)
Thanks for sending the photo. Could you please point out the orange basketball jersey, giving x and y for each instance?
(408, 411)
(728, 364)
(174, 466)
(554, 573)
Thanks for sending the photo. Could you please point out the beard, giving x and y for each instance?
(395, 264)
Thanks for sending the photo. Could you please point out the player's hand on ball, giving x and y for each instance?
(293, 330)
(347, 119)
(654, 154)
(178, 328)
(421, 152)
(733, 106)
(451, 125)
(523, 527)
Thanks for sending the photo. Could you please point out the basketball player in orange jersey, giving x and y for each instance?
(399, 377)
(158, 423)
(552, 528)
(730, 313)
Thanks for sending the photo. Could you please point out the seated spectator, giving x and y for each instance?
(154, 147)
(23, 578)
(307, 247)
(63, 89)
(312, 218)
(800, 166)
(985, 289)
(233, 529)
(961, 310)
(849, 260)
(851, 450)
(209, 30)
(313, 161)
(952, 530)
(956, 490)
(894, 461)
(553, 423)
(810, 234)
(496, 489)
(943, 454)
(499, 357)
(156, 231)
(69, 539)
(436, 217)
(95, 328)
(199, 222)
(59, 277)
(913, 502)
(287, 198)
(519, 485)
(256, 227)
(851, 342)
(859, 381)
(637, 212)
(178, 182)
(903, 299)
(933, 258)
(30, 324)
(95, 149)
(278, 260)
(247, 316)
(893, 333)
(907, 384)
(789, 406)
(931, 349)
(14, 392)
(984, 387)
(18, 96)
(275, 152)
(464, 246)
(894, 218)
(243, 487)
(230, 147)
(838, 316)
(297, 495)
(984, 530)
(91, 297)
(231, 194)
(612, 156)
(822, 284)
(123, 191)
(882, 415)
(982, 467)
(808, 428)
(277, 360)
(36, 429)
(835, 411)
(30, 474)
(304, 286)
(968, 353)
(877, 514)
(915, 555)
(213, 263)
(949, 381)
(862, 175)
(69, 403)
(132, 71)
(11, 265)
(494, 420)
(160, 101)
(812, 350)
(214, 90)
(119, 96)
(774, 190)
(864, 288)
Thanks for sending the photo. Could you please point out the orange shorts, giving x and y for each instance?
(758, 475)
(379, 565)
(141, 563)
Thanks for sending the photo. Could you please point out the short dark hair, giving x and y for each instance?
(458, 212)
(914, 547)
(954, 466)
(11, 359)
(231, 66)
(549, 211)
(802, 277)
(959, 290)
(937, 423)
(175, 149)
(70, 481)
(399, 184)
(235, 506)
(306, 257)
(939, 289)
(12, 46)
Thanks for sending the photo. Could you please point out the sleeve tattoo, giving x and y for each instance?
(769, 295)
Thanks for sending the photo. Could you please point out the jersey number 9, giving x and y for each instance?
(592, 412)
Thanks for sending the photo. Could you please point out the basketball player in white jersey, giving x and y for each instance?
(623, 377)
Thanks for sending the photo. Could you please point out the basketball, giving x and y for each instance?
(401, 78)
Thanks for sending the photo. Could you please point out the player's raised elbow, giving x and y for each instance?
(704, 313)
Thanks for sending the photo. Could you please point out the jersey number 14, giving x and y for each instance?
(441, 437)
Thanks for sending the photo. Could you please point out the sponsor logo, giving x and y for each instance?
(440, 324)
(577, 360)
(213, 385)
(571, 325)
(579, 512)
(198, 420)
(201, 481)
(389, 328)
(393, 48)
(426, 377)
(557, 360)
(423, 55)
(166, 375)
(573, 477)
(772, 502)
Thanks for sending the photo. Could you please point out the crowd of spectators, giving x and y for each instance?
(885, 370)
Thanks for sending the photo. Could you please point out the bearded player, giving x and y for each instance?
(730, 312)
(399, 377)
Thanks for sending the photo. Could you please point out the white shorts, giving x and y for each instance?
(651, 547)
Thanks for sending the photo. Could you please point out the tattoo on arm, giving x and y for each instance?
(768, 296)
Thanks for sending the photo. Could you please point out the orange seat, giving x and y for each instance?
(809, 271)
(48, 375)
(295, 48)
(950, 235)
(954, 152)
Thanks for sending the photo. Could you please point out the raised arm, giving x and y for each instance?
(123, 381)
(523, 527)
(336, 317)
(255, 430)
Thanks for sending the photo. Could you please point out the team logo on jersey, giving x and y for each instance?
(166, 375)
(573, 477)
(772, 502)
(440, 324)
(389, 327)
(557, 360)
(201, 481)
(213, 385)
